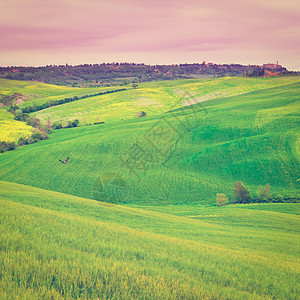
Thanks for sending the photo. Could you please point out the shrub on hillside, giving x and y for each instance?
(222, 199)
(140, 114)
(73, 123)
(7, 146)
(57, 125)
(19, 116)
(22, 141)
(38, 136)
(241, 193)
(13, 108)
(264, 193)
(34, 122)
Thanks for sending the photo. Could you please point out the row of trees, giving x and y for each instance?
(41, 132)
(34, 107)
(241, 194)
(58, 124)
(7, 146)
(113, 72)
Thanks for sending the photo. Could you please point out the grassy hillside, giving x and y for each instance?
(29, 93)
(157, 97)
(57, 246)
(10, 129)
(186, 156)
(39, 93)
(152, 97)
(112, 107)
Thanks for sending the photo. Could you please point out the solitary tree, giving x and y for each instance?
(264, 193)
(241, 193)
(222, 199)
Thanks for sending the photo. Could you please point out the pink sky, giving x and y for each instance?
(36, 32)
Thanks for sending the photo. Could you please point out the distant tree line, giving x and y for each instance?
(241, 194)
(256, 72)
(122, 73)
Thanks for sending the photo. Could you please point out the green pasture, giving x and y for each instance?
(58, 246)
(208, 211)
(156, 97)
(39, 93)
(152, 97)
(64, 236)
(180, 157)
(112, 107)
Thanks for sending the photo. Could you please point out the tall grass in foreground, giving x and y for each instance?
(56, 246)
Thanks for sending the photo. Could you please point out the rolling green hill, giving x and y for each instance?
(30, 93)
(58, 246)
(156, 97)
(39, 93)
(152, 97)
(170, 240)
(184, 156)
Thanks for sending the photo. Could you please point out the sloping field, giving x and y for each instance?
(228, 86)
(112, 107)
(10, 129)
(57, 246)
(39, 93)
(185, 156)
(157, 97)
(152, 97)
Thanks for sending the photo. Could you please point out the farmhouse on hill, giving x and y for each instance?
(273, 69)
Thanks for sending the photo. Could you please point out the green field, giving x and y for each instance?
(112, 107)
(152, 97)
(156, 97)
(34, 93)
(186, 156)
(57, 246)
(39, 93)
(166, 239)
